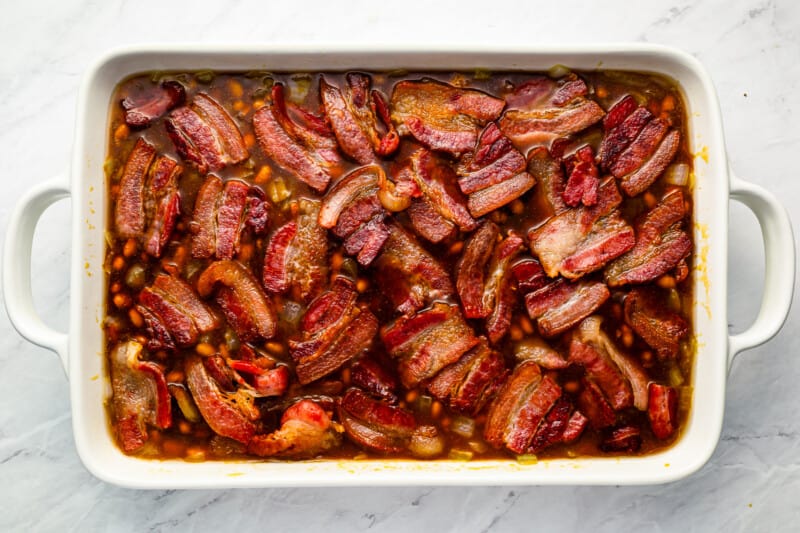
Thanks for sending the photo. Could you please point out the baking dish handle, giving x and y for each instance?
(779, 253)
(17, 266)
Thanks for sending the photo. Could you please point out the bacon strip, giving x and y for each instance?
(130, 216)
(409, 276)
(584, 178)
(141, 397)
(253, 301)
(310, 155)
(441, 116)
(663, 410)
(660, 328)
(548, 173)
(583, 239)
(427, 342)
(163, 188)
(221, 215)
(374, 378)
(435, 180)
(470, 275)
(141, 110)
(602, 371)
(306, 430)
(428, 223)
(594, 405)
(661, 244)
(374, 424)
(560, 305)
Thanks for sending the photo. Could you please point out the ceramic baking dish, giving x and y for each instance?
(81, 348)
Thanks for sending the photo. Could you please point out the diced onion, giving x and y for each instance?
(677, 174)
(185, 403)
(478, 446)
(463, 426)
(675, 376)
(460, 455)
(527, 459)
(392, 202)
(558, 71)
(426, 443)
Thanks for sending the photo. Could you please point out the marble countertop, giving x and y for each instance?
(752, 50)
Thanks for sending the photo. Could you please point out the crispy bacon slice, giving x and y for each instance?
(410, 277)
(543, 109)
(661, 244)
(619, 136)
(334, 331)
(537, 350)
(308, 152)
(221, 213)
(498, 293)
(551, 430)
(353, 113)
(559, 305)
(178, 310)
(584, 178)
(374, 378)
(470, 270)
(427, 342)
(306, 430)
(428, 223)
(436, 182)
(547, 172)
(254, 303)
(594, 405)
(142, 109)
(583, 239)
(660, 328)
(206, 135)
(590, 334)
(141, 397)
(639, 180)
(575, 426)
(641, 148)
(163, 192)
(529, 274)
(353, 211)
(296, 257)
(129, 213)
(158, 336)
(662, 410)
(441, 116)
(374, 424)
(494, 173)
(220, 410)
(622, 439)
(469, 383)
(519, 408)
(601, 370)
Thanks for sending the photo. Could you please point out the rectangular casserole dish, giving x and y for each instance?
(82, 348)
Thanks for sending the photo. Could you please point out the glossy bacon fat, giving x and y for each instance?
(414, 265)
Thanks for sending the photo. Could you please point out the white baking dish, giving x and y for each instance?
(81, 349)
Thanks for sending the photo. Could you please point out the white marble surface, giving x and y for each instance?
(752, 482)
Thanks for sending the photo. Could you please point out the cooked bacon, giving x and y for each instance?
(537, 350)
(353, 211)
(441, 116)
(594, 405)
(158, 336)
(590, 334)
(469, 383)
(163, 190)
(142, 109)
(660, 328)
(334, 331)
(428, 223)
(427, 342)
(408, 275)
(663, 410)
(129, 213)
(470, 270)
(178, 309)
(206, 135)
(641, 148)
(619, 112)
(436, 181)
(296, 256)
(542, 109)
(551, 430)
(575, 426)
(602, 371)
(374, 424)
(619, 137)
(661, 244)
(583, 239)
(306, 430)
(221, 212)
(548, 174)
(638, 181)
(369, 375)
(236, 314)
(622, 439)
(496, 196)
(584, 178)
(560, 304)
(353, 114)
(306, 152)
(141, 397)
(255, 305)
(529, 274)
(266, 381)
(223, 415)
(498, 292)
(519, 408)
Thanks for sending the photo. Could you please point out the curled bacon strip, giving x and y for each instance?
(353, 113)
(441, 116)
(307, 150)
(142, 109)
(141, 397)
(255, 306)
(559, 305)
(660, 328)
(436, 182)
(374, 424)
